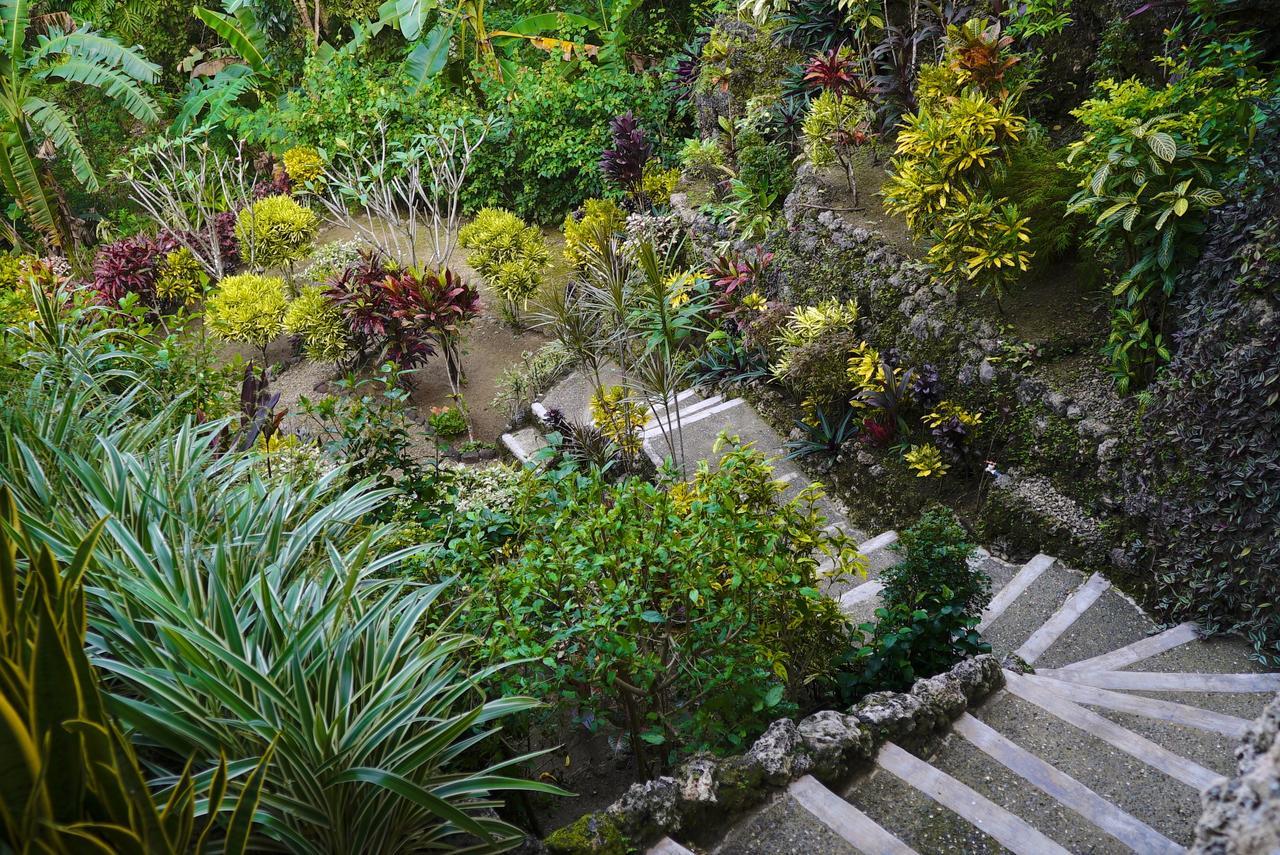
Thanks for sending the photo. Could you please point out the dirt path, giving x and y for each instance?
(490, 346)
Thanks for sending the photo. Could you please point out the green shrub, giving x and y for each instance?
(248, 308)
(906, 644)
(275, 232)
(934, 568)
(641, 626)
(316, 320)
(546, 162)
(764, 166)
(511, 256)
(1036, 178)
(447, 421)
(582, 232)
(702, 158)
(1150, 163)
(932, 600)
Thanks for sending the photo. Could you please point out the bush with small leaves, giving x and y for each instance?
(317, 321)
(447, 421)
(248, 308)
(583, 230)
(510, 254)
(702, 158)
(275, 231)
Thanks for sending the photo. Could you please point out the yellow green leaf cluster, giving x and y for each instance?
(599, 219)
(317, 321)
(304, 165)
(180, 278)
(926, 461)
(247, 308)
(619, 418)
(276, 231)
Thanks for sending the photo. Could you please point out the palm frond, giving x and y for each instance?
(114, 82)
(94, 48)
(15, 15)
(20, 172)
(241, 32)
(54, 123)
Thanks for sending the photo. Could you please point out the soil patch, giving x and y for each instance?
(869, 213)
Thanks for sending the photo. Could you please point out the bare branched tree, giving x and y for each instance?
(191, 188)
(387, 194)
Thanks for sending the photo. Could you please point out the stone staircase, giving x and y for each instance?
(1101, 743)
(1102, 740)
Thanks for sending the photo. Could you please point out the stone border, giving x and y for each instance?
(830, 745)
(1242, 814)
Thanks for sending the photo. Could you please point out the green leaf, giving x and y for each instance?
(428, 56)
(1163, 146)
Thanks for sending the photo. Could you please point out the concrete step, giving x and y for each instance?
(1027, 602)
(524, 443)
(1139, 777)
(854, 826)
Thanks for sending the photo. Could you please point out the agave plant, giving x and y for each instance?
(39, 55)
(824, 434)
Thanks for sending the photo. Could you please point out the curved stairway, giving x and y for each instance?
(1103, 747)
(1101, 744)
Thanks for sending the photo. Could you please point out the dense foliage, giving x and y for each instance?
(1207, 476)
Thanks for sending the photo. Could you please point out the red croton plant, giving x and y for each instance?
(402, 314)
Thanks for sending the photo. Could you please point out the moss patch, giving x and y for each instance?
(593, 834)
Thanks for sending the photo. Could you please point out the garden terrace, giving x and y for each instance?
(489, 427)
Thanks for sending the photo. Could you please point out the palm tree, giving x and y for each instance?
(36, 52)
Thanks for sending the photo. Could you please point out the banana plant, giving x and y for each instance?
(35, 53)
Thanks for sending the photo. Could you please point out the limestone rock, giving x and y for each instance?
(1242, 814)
(648, 809)
(780, 753)
(832, 740)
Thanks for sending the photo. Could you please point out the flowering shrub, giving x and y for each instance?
(248, 308)
(447, 421)
(275, 231)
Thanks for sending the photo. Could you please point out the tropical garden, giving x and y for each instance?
(279, 277)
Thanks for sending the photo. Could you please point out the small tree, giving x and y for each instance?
(389, 194)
